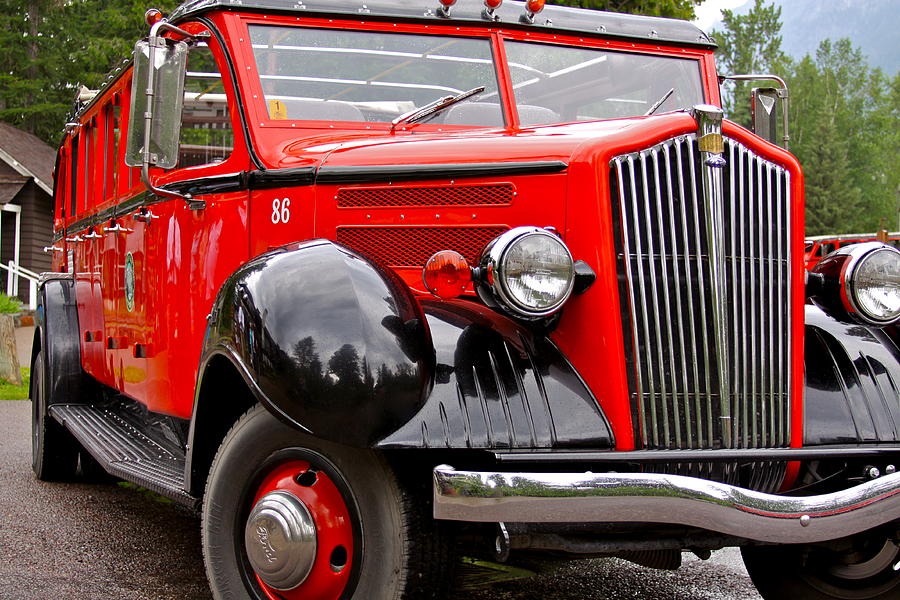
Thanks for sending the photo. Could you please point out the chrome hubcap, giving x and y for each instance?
(280, 537)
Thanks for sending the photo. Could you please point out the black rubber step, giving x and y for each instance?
(125, 451)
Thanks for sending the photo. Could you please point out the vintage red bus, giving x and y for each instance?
(362, 281)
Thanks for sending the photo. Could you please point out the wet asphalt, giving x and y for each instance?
(75, 541)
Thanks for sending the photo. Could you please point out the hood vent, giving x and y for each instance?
(412, 246)
(468, 195)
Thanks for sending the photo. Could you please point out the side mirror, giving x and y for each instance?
(157, 96)
(763, 110)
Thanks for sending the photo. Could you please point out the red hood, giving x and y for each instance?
(552, 142)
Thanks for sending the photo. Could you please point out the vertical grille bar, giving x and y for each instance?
(654, 295)
(669, 292)
(677, 261)
(704, 300)
(737, 417)
(641, 358)
(697, 424)
(626, 239)
(744, 373)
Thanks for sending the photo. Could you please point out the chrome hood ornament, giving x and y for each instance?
(711, 145)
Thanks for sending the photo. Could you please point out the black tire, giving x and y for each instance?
(817, 573)
(406, 554)
(54, 452)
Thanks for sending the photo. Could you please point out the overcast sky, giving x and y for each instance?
(709, 12)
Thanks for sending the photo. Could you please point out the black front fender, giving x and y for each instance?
(500, 385)
(328, 341)
(852, 378)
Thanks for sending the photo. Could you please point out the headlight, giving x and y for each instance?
(872, 283)
(528, 270)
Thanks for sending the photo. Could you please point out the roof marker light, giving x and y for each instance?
(532, 7)
(489, 7)
(447, 274)
(444, 10)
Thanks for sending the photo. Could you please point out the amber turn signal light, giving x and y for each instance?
(153, 16)
(447, 274)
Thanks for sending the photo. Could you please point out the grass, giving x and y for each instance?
(9, 305)
(9, 391)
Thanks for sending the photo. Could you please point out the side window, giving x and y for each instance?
(73, 176)
(89, 155)
(206, 132)
(111, 148)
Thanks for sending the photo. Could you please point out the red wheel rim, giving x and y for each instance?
(334, 530)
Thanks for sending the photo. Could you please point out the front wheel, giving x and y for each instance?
(870, 570)
(287, 517)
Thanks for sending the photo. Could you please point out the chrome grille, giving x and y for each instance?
(669, 292)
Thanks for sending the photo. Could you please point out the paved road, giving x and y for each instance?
(110, 542)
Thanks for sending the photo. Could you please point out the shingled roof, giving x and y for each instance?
(28, 155)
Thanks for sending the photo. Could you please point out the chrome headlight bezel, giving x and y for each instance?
(493, 277)
(858, 255)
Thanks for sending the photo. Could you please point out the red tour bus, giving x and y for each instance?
(362, 281)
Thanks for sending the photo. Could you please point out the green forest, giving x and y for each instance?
(845, 116)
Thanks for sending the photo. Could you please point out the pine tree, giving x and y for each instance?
(678, 9)
(749, 43)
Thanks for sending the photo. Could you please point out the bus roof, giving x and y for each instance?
(470, 13)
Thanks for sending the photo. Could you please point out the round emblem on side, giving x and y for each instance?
(129, 282)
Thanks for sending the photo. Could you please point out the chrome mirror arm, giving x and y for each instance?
(782, 93)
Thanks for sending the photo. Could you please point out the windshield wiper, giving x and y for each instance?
(434, 107)
(659, 102)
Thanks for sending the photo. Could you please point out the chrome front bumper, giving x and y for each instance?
(657, 498)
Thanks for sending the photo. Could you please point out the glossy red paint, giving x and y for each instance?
(334, 530)
(150, 350)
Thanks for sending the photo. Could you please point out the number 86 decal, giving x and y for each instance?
(281, 210)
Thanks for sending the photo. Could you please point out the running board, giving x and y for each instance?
(126, 452)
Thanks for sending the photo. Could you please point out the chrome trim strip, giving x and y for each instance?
(676, 268)
(703, 303)
(651, 257)
(745, 337)
(771, 352)
(763, 347)
(709, 123)
(690, 288)
(640, 269)
(657, 498)
(667, 316)
(787, 305)
(626, 240)
(737, 419)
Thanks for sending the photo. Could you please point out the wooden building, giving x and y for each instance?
(26, 203)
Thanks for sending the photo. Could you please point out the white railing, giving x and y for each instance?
(14, 272)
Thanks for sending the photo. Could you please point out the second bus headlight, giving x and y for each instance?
(873, 284)
(529, 271)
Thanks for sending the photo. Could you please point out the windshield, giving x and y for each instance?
(556, 83)
(340, 75)
(370, 76)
